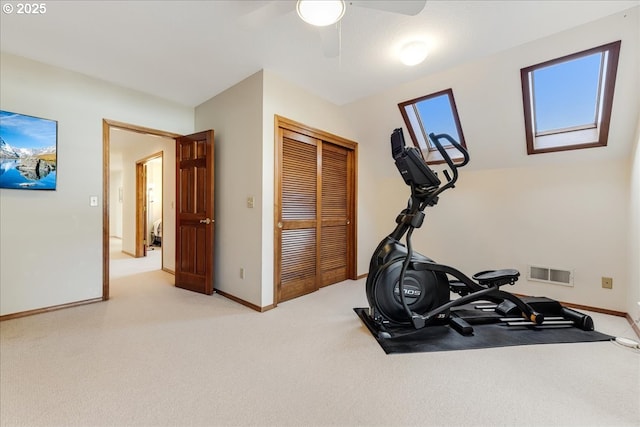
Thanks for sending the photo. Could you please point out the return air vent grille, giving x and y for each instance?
(551, 275)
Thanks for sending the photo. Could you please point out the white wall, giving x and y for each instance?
(566, 217)
(489, 101)
(587, 228)
(235, 115)
(115, 203)
(565, 210)
(243, 120)
(634, 235)
(290, 101)
(633, 299)
(51, 242)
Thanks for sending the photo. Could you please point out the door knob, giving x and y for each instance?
(279, 225)
(205, 221)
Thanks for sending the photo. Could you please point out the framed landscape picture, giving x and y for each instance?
(28, 152)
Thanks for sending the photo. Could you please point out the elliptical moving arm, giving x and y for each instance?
(451, 180)
(425, 188)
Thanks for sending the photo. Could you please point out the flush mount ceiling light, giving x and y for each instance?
(320, 12)
(413, 53)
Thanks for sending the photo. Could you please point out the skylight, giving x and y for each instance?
(567, 101)
(433, 113)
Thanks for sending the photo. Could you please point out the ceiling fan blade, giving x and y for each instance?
(404, 7)
(330, 38)
(266, 12)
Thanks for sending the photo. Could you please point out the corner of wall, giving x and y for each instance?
(634, 224)
(235, 115)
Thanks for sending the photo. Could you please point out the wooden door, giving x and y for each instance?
(335, 218)
(297, 225)
(194, 269)
(315, 207)
(141, 209)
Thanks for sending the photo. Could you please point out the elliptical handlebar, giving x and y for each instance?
(447, 158)
(436, 140)
(424, 182)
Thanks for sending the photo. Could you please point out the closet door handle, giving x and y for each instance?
(205, 221)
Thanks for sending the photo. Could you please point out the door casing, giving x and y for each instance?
(284, 123)
(107, 125)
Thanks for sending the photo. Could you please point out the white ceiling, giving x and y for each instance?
(189, 51)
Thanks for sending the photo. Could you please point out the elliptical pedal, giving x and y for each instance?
(461, 325)
(497, 277)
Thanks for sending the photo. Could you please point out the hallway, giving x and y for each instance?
(122, 264)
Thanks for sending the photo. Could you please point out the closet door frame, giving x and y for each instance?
(352, 235)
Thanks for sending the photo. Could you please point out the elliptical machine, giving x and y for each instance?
(407, 291)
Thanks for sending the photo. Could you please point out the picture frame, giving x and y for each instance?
(28, 152)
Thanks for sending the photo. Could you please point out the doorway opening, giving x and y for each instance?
(149, 201)
(128, 201)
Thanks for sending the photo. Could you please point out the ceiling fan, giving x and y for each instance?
(326, 15)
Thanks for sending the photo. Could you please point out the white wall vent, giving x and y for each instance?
(550, 275)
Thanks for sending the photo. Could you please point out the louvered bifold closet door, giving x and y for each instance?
(335, 214)
(298, 223)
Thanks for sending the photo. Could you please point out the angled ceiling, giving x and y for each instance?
(189, 51)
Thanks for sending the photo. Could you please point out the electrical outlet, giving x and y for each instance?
(242, 273)
(607, 282)
(251, 202)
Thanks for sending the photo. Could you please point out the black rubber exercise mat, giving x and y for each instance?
(444, 338)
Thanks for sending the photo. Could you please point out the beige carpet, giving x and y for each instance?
(121, 264)
(155, 355)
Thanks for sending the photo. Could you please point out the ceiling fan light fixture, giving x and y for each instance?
(413, 53)
(320, 12)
